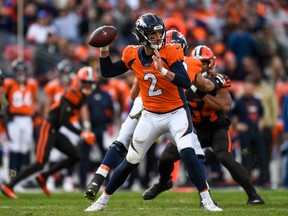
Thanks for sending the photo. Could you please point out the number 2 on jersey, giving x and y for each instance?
(152, 89)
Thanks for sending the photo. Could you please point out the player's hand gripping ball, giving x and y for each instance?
(103, 36)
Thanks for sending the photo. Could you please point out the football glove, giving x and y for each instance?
(88, 137)
(197, 91)
(218, 81)
(110, 130)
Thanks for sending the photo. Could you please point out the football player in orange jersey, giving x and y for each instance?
(161, 76)
(23, 102)
(212, 127)
(119, 147)
(59, 115)
(54, 90)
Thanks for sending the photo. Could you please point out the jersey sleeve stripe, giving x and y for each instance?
(42, 142)
(73, 97)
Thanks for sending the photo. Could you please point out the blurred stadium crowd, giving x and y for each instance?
(248, 37)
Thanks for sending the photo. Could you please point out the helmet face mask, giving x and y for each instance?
(205, 68)
(87, 79)
(176, 37)
(21, 77)
(20, 70)
(207, 57)
(65, 70)
(87, 87)
(65, 79)
(148, 24)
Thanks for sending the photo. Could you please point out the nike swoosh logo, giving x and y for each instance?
(93, 183)
(177, 48)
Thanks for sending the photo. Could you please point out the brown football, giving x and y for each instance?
(102, 36)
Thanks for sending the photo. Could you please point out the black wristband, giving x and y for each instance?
(195, 91)
(200, 93)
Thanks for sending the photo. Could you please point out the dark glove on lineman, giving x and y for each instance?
(193, 92)
(218, 81)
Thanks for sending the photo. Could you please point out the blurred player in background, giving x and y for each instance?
(101, 110)
(53, 93)
(23, 102)
(59, 115)
(118, 149)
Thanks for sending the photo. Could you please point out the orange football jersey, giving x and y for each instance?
(158, 93)
(125, 95)
(21, 97)
(112, 88)
(119, 91)
(193, 67)
(54, 90)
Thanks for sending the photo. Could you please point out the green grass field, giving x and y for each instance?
(126, 203)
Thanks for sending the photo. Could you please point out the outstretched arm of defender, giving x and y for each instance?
(221, 102)
(207, 85)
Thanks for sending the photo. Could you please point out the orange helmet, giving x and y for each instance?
(87, 78)
(205, 54)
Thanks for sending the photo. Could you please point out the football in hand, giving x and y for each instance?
(102, 36)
